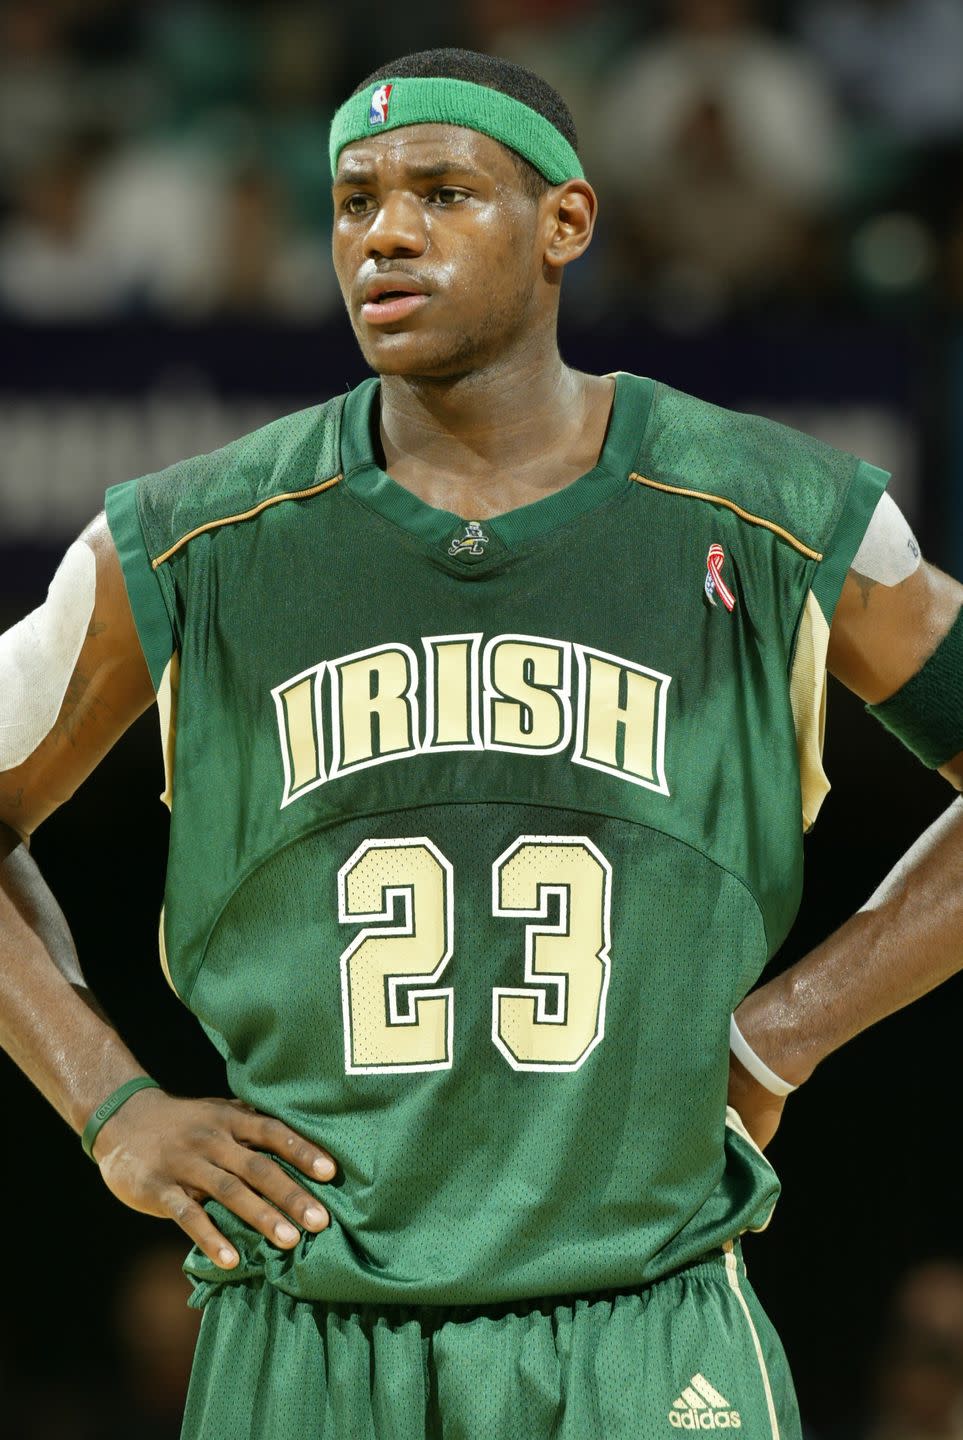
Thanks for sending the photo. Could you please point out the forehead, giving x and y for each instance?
(425, 148)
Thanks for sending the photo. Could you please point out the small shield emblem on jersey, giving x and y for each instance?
(714, 583)
(472, 540)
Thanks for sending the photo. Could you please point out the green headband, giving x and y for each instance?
(390, 104)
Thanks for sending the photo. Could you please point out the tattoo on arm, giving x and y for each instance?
(866, 585)
(77, 707)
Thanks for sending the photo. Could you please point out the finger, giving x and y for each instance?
(199, 1227)
(266, 1133)
(265, 1177)
(254, 1209)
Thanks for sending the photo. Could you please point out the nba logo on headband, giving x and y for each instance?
(378, 114)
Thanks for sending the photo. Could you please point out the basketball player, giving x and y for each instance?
(491, 701)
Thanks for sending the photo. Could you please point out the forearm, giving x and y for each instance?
(50, 1023)
(907, 939)
(158, 1154)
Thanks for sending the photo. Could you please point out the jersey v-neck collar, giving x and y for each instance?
(364, 478)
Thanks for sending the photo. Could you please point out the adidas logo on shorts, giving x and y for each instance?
(701, 1407)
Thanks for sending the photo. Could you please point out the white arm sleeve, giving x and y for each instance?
(37, 657)
(889, 552)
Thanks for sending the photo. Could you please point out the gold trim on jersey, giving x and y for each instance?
(162, 948)
(736, 509)
(245, 515)
(807, 697)
(167, 693)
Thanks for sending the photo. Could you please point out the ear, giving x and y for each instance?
(569, 215)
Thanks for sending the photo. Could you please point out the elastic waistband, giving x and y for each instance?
(711, 1268)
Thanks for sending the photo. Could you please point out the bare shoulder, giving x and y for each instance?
(79, 678)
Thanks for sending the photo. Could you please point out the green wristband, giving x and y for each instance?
(927, 712)
(109, 1107)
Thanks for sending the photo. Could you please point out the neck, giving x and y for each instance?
(483, 422)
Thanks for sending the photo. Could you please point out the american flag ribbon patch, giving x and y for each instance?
(715, 585)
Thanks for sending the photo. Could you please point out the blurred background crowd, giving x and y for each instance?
(169, 158)
(782, 231)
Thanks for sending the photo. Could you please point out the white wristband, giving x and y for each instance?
(757, 1068)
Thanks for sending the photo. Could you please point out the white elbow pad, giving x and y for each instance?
(889, 552)
(37, 657)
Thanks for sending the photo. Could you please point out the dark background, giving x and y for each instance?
(869, 1150)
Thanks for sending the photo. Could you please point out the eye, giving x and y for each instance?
(448, 195)
(358, 204)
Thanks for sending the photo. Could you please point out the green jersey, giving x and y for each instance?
(480, 829)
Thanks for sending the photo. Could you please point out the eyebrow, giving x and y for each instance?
(362, 175)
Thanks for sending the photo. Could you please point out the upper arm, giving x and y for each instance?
(108, 688)
(881, 635)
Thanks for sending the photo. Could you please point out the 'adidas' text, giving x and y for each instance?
(705, 1419)
(701, 1407)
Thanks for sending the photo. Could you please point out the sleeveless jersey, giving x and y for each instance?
(480, 830)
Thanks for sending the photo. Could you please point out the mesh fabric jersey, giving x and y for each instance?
(480, 830)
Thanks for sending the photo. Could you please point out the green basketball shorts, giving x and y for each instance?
(693, 1352)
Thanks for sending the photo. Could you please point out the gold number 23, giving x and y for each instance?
(399, 1018)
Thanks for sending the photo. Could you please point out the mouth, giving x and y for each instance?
(385, 303)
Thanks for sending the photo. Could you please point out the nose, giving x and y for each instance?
(398, 227)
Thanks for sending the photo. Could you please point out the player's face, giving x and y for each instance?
(436, 248)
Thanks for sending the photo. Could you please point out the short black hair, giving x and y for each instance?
(497, 74)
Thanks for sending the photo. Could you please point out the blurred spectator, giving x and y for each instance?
(897, 64)
(52, 264)
(211, 199)
(299, 87)
(168, 229)
(66, 67)
(263, 267)
(156, 1333)
(154, 210)
(98, 234)
(571, 43)
(139, 1386)
(201, 228)
(720, 142)
(917, 1383)
(204, 54)
(40, 89)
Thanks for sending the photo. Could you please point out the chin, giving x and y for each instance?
(419, 361)
(418, 351)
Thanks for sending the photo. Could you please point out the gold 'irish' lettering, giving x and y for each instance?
(621, 718)
(373, 694)
(451, 715)
(518, 693)
(527, 694)
(299, 724)
(302, 733)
